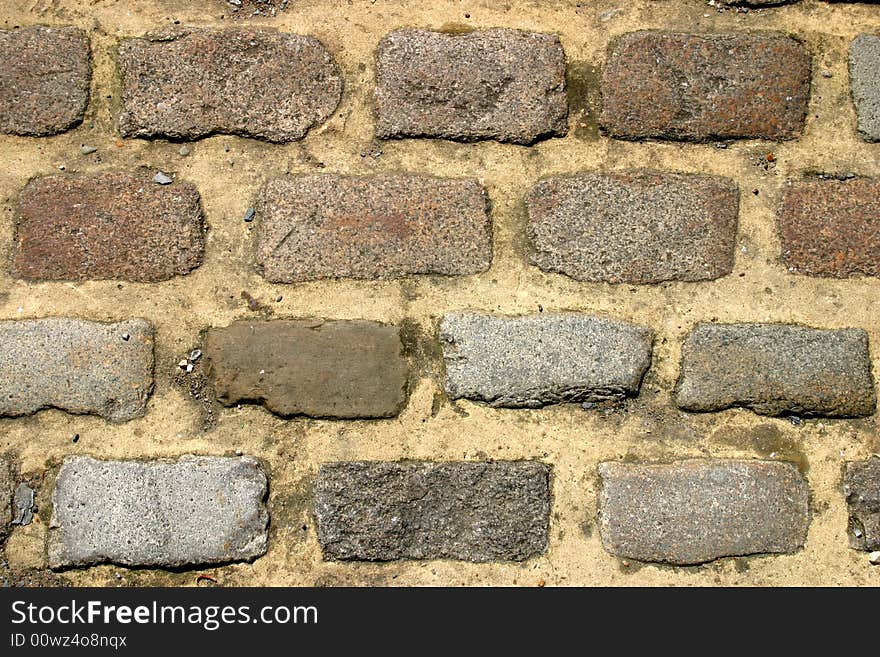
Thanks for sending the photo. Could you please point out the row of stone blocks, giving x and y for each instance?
(623, 227)
(208, 509)
(350, 369)
(500, 84)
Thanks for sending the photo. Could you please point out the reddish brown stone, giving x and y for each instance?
(328, 226)
(695, 87)
(634, 227)
(256, 83)
(500, 84)
(44, 80)
(831, 227)
(107, 226)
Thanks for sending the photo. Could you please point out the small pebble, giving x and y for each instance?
(874, 558)
(184, 151)
(87, 150)
(249, 215)
(826, 74)
(23, 504)
(76, 437)
(162, 179)
(189, 367)
(182, 364)
(126, 337)
(278, 299)
(195, 354)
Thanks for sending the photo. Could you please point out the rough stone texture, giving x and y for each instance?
(44, 80)
(196, 510)
(864, 79)
(189, 84)
(497, 84)
(327, 226)
(107, 226)
(861, 485)
(634, 227)
(339, 369)
(775, 369)
(77, 366)
(696, 87)
(831, 227)
(542, 359)
(7, 486)
(478, 512)
(698, 510)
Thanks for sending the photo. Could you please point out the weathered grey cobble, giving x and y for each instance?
(542, 359)
(864, 73)
(698, 510)
(775, 369)
(378, 511)
(196, 510)
(77, 366)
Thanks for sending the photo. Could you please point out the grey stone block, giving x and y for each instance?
(196, 510)
(542, 359)
(775, 369)
(497, 84)
(77, 366)
(378, 511)
(698, 510)
(864, 79)
(861, 485)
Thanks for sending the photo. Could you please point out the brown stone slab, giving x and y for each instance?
(338, 369)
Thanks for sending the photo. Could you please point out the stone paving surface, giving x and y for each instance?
(448, 293)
